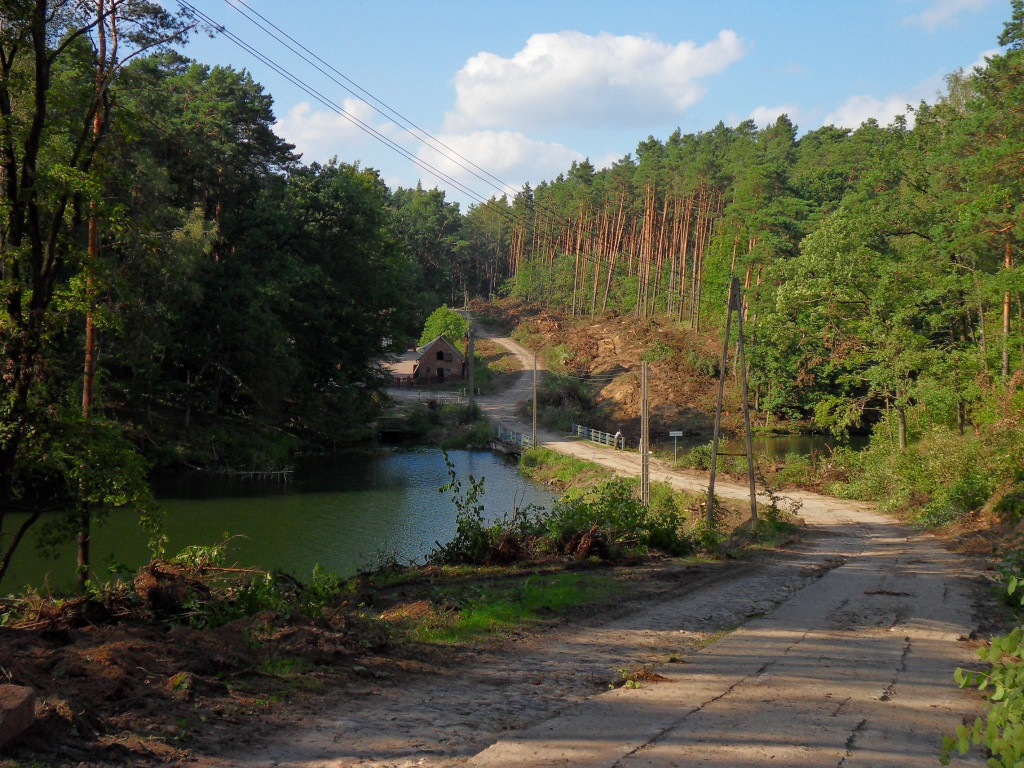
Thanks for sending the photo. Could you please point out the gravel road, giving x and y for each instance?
(838, 650)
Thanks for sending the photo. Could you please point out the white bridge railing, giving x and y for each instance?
(595, 435)
(518, 439)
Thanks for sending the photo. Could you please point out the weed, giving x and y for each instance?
(468, 613)
(283, 666)
(181, 681)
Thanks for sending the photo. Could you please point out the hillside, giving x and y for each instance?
(606, 352)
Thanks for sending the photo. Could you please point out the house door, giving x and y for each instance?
(440, 375)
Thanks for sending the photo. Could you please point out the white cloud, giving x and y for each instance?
(980, 63)
(767, 115)
(320, 134)
(944, 13)
(856, 109)
(509, 155)
(606, 160)
(571, 78)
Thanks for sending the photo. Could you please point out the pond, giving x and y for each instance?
(340, 511)
(776, 446)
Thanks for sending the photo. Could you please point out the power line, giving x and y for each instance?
(424, 136)
(299, 83)
(385, 110)
(510, 215)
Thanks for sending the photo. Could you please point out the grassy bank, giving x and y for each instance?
(449, 426)
(137, 671)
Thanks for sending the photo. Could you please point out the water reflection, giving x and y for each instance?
(340, 511)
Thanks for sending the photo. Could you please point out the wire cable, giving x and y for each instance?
(385, 110)
(424, 136)
(506, 211)
(299, 83)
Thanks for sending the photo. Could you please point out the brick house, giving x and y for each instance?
(433, 363)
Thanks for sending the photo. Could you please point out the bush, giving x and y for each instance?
(608, 521)
(797, 470)
(657, 352)
(703, 363)
(940, 478)
(699, 457)
(276, 592)
(617, 521)
(1001, 730)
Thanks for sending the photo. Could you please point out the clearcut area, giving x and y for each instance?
(838, 650)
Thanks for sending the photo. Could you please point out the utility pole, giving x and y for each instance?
(534, 445)
(469, 352)
(735, 304)
(645, 439)
(746, 402)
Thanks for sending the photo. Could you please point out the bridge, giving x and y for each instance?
(509, 441)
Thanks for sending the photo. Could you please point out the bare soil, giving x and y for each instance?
(123, 690)
(682, 371)
(115, 688)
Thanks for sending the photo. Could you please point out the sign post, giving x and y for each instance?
(675, 445)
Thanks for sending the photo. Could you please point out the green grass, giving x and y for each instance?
(494, 610)
(545, 466)
(284, 666)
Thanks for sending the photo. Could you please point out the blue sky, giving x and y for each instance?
(523, 88)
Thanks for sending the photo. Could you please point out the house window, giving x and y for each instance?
(440, 354)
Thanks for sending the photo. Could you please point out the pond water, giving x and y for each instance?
(776, 446)
(339, 511)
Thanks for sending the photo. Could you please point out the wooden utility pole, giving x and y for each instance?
(718, 415)
(645, 439)
(735, 289)
(735, 304)
(469, 353)
(534, 445)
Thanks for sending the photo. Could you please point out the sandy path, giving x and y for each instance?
(843, 656)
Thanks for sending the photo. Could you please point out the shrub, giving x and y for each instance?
(797, 470)
(1001, 730)
(699, 457)
(616, 518)
(942, 476)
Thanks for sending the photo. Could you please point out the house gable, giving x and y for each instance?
(429, 351)
(439, 360)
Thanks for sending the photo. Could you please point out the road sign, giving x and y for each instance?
(675, 434)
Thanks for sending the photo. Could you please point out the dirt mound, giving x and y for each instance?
(117, 683)
(608, 350)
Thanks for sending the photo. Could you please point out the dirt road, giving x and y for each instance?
(854, 669)
(837, 651)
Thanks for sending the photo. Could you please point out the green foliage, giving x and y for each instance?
(658, 352)
(493, 609)
(563, 401)
(445, 322)
(797, 470)
(619, 522)
(607, 520)
(472, 540)
(274, 592)
(546, 466)
(943, 476)
(1001, 730)
(699, 457)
